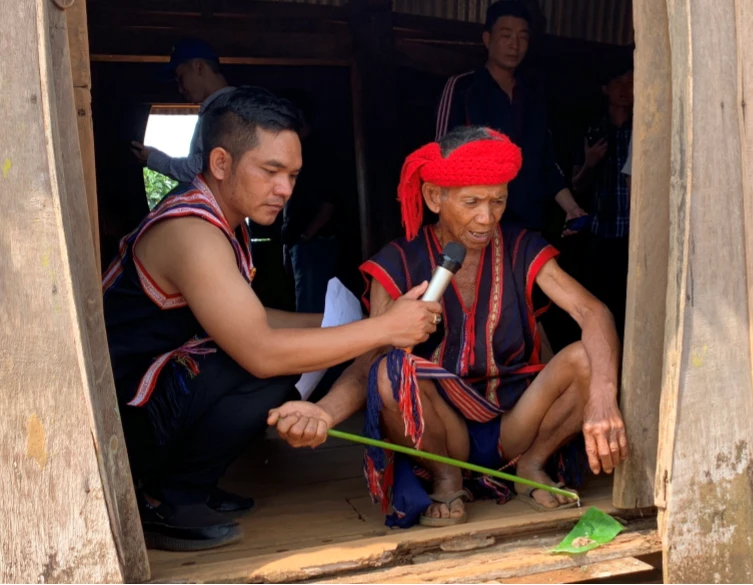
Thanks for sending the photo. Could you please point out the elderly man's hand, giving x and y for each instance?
(604, 431)
(301, 424)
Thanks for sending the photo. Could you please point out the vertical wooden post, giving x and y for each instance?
(649, 248)
(377, 140)
(705, 463)
(78, 42)
(67, 511)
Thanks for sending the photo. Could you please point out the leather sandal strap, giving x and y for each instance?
(448, 499)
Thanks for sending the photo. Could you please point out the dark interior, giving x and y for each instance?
(428, 50)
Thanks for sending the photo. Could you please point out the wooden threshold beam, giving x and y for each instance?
(241, 8)
(270, 61)
(150, 43)
(179, 24)
(525, 560)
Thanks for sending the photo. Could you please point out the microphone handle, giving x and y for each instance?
(440, 280)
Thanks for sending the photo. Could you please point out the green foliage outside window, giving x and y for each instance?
(157, 186)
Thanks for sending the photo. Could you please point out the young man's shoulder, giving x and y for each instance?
(459, 84)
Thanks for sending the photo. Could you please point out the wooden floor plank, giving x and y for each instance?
(603, 570)
(512, 562)
(315, 518)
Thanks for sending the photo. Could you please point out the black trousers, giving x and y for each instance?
(190, 431)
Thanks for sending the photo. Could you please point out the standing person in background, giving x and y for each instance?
(600, 172)
(627, 170)
(497, 96)
(310, 218)
(196, 68)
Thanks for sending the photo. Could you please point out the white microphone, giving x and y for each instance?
(450, 262)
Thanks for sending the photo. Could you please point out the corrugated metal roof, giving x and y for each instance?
(605, 21)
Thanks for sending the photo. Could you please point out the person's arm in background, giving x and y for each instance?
(181, 169)
(583, 174)
(627, 170)
(555, 181)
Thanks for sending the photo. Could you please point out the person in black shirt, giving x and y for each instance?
(598, 173)
(497, 96)
(310, 218)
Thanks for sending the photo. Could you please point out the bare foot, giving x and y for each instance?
(535, 472)
(446, 482)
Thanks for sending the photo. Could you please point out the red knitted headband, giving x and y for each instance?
(492, 161)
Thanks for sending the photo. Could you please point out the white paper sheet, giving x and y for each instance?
(340, 308)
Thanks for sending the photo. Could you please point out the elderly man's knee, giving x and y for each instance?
(579, 361)
(385, 385)
(426, 388)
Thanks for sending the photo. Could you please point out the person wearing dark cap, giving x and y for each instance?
(497, 96)
(600, 173)
(195, 67)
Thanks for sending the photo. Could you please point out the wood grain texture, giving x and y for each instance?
(601, 570)
(78, 44)
(705, 461)
(649, 249)
(63, 512)
(99, 384)
(512, 561)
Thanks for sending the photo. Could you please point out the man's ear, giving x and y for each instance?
(220, 163)
(486, 37)
(432, 196)
(200, 67)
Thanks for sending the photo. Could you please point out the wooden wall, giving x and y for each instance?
(643, 355)
(68, 511)
(704, 486)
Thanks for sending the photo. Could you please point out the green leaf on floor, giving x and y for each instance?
(592, 530)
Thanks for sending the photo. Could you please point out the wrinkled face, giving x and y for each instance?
(619, 91)
(507, 42)
(468, 215)
(191, 80)
(262, 181)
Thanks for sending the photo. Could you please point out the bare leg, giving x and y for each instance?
(548, 414)
(445, 433)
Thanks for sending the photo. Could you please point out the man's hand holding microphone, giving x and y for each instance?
(406, 323)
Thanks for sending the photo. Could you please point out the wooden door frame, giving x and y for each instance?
(643, 354)
(69, 506)
(694, 67)
(693, 181)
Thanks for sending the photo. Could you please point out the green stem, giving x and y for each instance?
(448, 461)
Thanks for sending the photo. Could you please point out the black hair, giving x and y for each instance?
(502, 8)
(616, 67)
(231, 121)
(461, 136)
